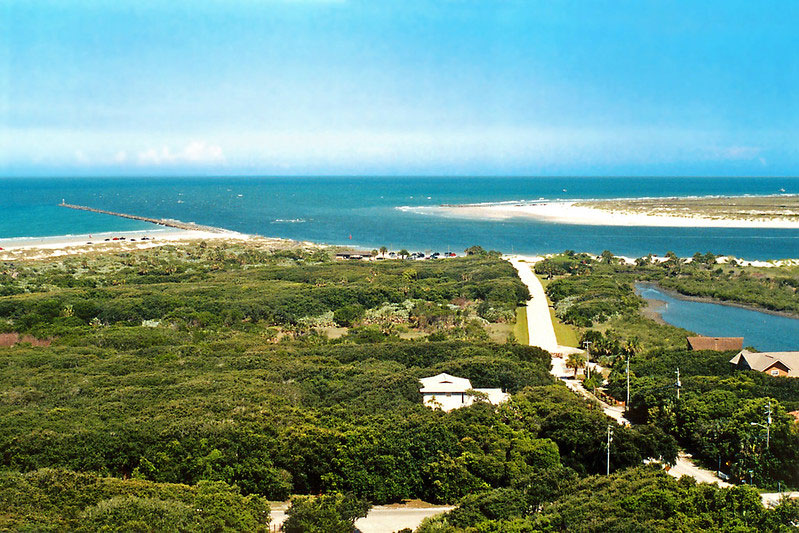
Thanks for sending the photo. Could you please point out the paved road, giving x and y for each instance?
(613, 411)
(542, 333)
(381, 518)
(771, 499)
(387, 519)
(686, 467)
(539, 321)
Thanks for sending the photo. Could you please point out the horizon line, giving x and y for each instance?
(413, 176)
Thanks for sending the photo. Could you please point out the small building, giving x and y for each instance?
(717, 344)
(447, 392)
(778, 364)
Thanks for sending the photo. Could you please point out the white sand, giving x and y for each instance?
(45, 247)
(569, 212)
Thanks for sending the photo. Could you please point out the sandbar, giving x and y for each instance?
(777, 212)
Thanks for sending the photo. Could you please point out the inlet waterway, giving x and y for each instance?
(371, 212)
(764, 331)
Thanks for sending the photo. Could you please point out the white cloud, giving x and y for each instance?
(737, 152)
(121, 156)
(81, 157)
(194, 152)
(200, 152)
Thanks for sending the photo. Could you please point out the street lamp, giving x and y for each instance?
(610, 439)
(587, 345)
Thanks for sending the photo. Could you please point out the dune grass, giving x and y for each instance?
(565, 334)
(520, 329)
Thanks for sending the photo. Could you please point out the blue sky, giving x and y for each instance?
(399, 87)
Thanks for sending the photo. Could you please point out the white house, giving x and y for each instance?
(447, 392)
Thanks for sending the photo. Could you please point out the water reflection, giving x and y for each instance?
(764, 331)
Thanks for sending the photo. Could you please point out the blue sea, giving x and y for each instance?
(365, 211)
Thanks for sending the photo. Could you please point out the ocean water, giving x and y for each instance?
(365, 211)
(764, 331)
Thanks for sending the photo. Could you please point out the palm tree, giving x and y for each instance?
(632, 346)
(404, 253)
(383, 251)
(576, 361)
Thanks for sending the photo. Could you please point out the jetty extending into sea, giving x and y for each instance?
(171, 223)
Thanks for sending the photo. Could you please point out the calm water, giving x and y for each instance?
(764, 331)
(330, 210)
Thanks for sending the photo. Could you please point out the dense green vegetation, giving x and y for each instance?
(715, 413)
(597, 297)
(641, 499)
(771, 288)
(329, 513)
(59, 500)
(191, 365)
(236, 287)
(719, 407)
(184, 386)
(768, 288)
(282, 419)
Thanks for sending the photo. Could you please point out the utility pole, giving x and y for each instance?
(587, 345)
(716, 444)
(678, 382)
(627, 403)
(767, 425)
(610, 439)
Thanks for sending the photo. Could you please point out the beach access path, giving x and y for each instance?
(542, 334)
(539, 321)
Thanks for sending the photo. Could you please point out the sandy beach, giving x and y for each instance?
(64, 245)
(582, 213)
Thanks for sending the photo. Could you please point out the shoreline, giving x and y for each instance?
(708, 300)
(636, 212)
(31, 248)
(52, 246)
(652, 311)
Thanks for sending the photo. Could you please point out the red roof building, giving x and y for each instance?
(717, 344)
